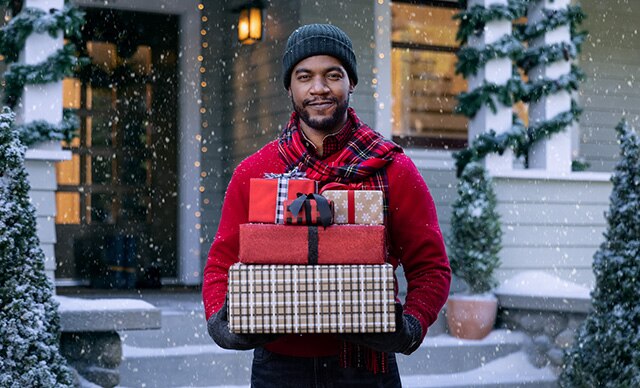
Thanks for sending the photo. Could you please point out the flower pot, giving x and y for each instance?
(471, 316)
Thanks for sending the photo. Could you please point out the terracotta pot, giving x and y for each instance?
(471, 316)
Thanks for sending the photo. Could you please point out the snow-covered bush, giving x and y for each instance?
(476, 237)
(606, 352)
(29, 321)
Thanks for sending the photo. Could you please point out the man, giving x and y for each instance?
(326, 139)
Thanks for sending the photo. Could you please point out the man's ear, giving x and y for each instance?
(352, 87)
(289, 91)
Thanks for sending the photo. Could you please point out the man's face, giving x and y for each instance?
(319, 91)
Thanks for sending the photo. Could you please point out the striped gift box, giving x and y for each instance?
(311, 298)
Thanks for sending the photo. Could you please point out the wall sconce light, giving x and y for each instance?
(250, 23)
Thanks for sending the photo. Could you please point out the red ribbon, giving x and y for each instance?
(351, 206)
(342, 186)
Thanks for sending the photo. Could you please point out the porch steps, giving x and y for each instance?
(182, 355)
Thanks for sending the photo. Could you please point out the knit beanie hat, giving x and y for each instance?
(318, 39)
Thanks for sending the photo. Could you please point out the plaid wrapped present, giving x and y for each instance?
(363, 207)
(291, 244)
(308, 209)
(267, 195)
(311, 299)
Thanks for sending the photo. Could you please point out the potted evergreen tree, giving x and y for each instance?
(474, 244)
(606, 352)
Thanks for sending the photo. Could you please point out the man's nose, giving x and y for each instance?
(319, 85)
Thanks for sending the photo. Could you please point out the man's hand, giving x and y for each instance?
(218, 327)
(406, 339)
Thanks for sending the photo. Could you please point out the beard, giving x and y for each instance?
(325, 124)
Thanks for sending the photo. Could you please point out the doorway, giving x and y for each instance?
(117, 197)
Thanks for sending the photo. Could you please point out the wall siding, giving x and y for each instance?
(551, 225)
(611, 60)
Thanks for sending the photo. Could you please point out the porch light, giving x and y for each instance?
(250, 23)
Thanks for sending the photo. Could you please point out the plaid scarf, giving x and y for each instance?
(362, 160)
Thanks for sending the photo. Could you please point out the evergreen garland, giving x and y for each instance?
(61, 64)
(554, 18)
(40, 130)
(535, 90)
(469, 103)
(543, 55)
(29, 321)
(606, 352)
(15, 33)
(470, 59)
(473, 20)
(476, 236)
(53, 69)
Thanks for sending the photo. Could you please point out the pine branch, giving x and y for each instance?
(69, 20)
(53, 69)
(471, 59)
(40, 130)
(473, 20)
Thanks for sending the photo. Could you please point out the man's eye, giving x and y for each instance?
(303, 77)
(335, 75)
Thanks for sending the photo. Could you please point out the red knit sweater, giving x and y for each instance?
(415, 241)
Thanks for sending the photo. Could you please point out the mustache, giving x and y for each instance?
(319, 100)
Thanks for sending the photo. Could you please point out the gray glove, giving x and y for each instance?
(406, 339)
(218, 327)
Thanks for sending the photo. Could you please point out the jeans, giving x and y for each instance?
(278, 371)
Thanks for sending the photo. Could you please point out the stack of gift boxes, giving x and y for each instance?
(310, 262)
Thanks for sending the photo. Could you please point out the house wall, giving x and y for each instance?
(245, 103)
(611, 60)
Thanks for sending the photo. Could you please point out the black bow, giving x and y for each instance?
(323, 208)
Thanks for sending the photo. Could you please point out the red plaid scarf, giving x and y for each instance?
(360, 161)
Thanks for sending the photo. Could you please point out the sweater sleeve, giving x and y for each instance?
(224, 250)
(235, 211)
(416, 242)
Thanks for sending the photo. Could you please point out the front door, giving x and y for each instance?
(117, 197)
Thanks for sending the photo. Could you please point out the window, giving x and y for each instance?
(424, 83)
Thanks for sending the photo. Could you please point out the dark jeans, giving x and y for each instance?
(278, 371)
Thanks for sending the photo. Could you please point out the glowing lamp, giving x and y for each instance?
(250, 25)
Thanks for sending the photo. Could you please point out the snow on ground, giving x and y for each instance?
(82, 304)
(538, 283)
(514, 368)
(138, 352)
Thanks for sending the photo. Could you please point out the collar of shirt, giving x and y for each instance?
(331, 143)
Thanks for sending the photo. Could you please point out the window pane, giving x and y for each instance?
(424, 96)
(68, 171)
(101, 208)
(68, 208)
(421, 24)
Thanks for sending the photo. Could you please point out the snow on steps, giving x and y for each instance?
(176, 356)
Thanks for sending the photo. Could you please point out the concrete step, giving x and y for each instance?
(200, 365)
(445, 354)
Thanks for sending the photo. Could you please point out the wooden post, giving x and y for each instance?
(43, 102)
(553, 154)
(496, 71)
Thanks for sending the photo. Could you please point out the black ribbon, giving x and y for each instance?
(312, 245)
(323, 208)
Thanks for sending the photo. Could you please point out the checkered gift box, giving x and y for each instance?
(311, 298)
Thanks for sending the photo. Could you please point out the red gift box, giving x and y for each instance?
(308, 209)
(267, 196)
(290, 244)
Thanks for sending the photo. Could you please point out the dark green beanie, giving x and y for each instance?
(318, 39)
